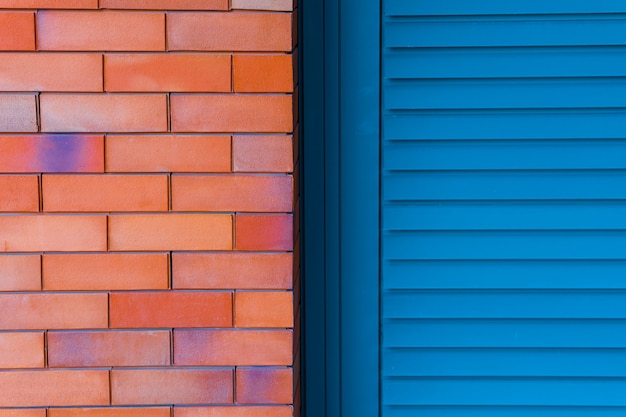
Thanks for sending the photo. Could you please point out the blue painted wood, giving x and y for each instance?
(523, 154)
(501, 333)
(504, 274)
(503, 178)
(494, 7)
(496, 63)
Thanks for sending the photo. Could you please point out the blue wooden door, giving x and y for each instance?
(503, 263)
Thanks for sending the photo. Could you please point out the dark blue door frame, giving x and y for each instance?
(340, 74)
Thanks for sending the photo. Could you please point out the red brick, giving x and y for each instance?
(267, 232)
(52, 153)
(48, 4)
(278, 5)
(109, 412)
(232, 270)
(263, 153)
(232, 347)
(20, 273)
(232, 113)
(229, 31)
(170, 232)
(264, 309)
(50, 72)
(232, 193)
(100, 31)
(53, 311)
(263, 73)
(167, 72)
(103, 113)
(110, 348)
(19, 193)
(21, 350)
(171, 309)
(171, 386)
(18, 112)
(53, 388)
(165, 4)
(23, 412)
(77, 193)
(238, 411)
(170, 153)
(17, 31)
(53, 233)
(105, 272)
(264, 386)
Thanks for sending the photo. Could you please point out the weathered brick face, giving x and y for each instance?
(148, 208)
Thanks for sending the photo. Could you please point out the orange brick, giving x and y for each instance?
(19, 193)
(49, 4)
(110, 348)
(263, 153)
(167, 72)
(278, 5)
(264, 309)
(51, 153)
(229, 31)
(171, 386)
(54, 388)
(232, 270)
(180, 153)
(50, 72)
(100, 31)
(171, 309)
(20, 273)
(238, 411)
(170, 232)
(18, 112)
(53, 311)
(269, 232)
(231, 113)
(264, 386)
(23, 412)
(103, 113)
(53, 233)
(76, 193)
(21, 350)
(232, 347)
(263, 73)
(17, 31)
(105, 272)
(109, 412)
(232, 193)
(165, 4)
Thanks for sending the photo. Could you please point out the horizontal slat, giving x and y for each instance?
(500, 411)
(504, 154)
(505, 93)
(504, 185)
(505, 362)
(506, 391)
(505, 304)
(491, 7)
(505, 274)
(501, 333)
(510, 33)
(505, 245)
(505, 62)
(505, 125)
(578, 215)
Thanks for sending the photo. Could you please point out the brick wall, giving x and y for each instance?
(147, 206)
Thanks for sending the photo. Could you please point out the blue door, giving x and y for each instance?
(465, 208)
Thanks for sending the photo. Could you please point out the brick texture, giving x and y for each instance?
(148, 183)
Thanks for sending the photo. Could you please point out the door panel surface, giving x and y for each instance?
(503, 208)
